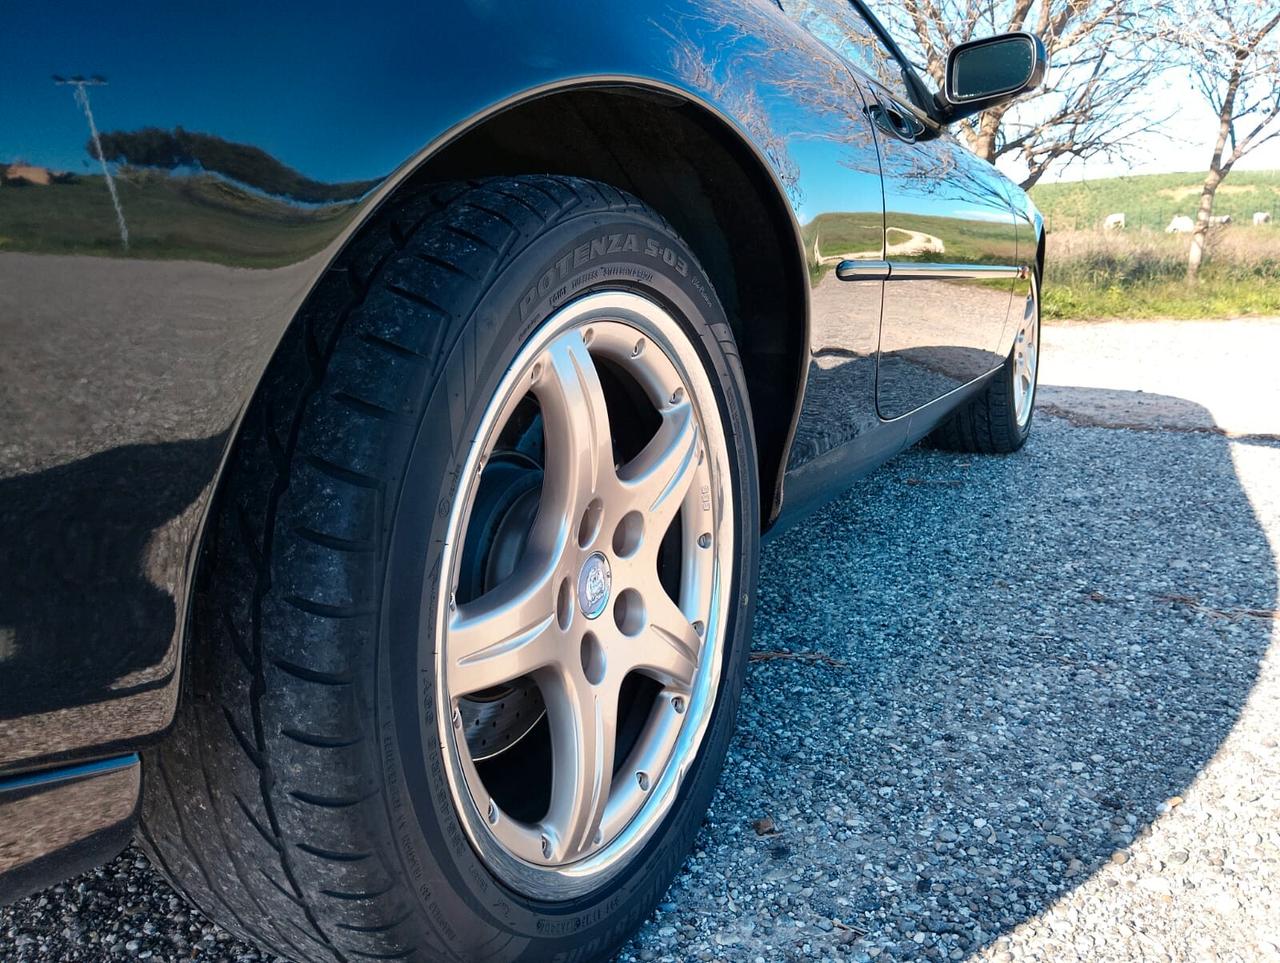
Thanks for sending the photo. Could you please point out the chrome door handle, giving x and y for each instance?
(895, 121)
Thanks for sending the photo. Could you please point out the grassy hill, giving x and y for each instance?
(1139, 272)
(1151, 200)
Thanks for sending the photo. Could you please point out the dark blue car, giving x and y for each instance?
(394, 400)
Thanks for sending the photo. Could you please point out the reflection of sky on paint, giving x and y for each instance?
(829, 184)
(299, 85)
(165, 67)
(164, 71)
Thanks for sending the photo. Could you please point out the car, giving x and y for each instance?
(395, 400)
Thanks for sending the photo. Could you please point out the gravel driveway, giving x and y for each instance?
(1003, 708)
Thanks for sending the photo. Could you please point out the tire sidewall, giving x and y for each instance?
(468, 906)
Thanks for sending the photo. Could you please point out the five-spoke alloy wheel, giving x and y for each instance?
(622, 575)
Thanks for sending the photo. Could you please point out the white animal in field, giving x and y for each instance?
(1261, 217)
(1181, 224)
(1114, 222)
(1223, 219)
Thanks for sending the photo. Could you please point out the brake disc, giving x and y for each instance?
(495, 724)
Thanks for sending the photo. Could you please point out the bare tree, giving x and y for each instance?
(1232, 50)
(1097, 56)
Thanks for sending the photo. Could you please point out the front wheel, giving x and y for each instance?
(998, 419)
(478, 600)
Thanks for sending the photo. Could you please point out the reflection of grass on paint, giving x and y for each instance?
(833, 235)
(843, 233)
(828, 237)
(201, 217)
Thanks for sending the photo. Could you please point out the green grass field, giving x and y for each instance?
(1150, 201)
(1140, 272)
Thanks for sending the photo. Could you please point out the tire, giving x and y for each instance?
(998, 420)
(303, 800)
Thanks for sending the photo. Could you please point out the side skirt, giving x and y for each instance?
(61, 822)
(813, 484)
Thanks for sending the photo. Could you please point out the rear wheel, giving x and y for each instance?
(475, 614)
(998, 420)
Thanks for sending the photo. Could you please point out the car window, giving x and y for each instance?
(839, 25)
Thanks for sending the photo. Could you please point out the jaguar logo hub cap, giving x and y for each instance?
(594, 582)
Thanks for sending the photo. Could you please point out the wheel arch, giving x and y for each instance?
(728, 194)
(686, 160)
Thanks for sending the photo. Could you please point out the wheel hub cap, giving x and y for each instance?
(594, 583)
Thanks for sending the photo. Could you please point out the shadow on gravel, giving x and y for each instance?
(1023, 659)
(976, 680)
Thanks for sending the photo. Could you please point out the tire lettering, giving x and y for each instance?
(581, 255)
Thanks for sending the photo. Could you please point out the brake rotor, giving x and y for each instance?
(494, 725)
(507, 502)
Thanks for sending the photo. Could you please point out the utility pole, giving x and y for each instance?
(79, 85)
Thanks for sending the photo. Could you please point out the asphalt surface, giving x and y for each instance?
(999, 708)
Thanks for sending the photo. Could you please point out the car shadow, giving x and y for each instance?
(975, 682)
(80, 542)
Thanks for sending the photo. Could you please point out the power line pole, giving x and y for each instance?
(79, 85)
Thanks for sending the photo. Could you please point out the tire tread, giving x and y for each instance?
(311, 438)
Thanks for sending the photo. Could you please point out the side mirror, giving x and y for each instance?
(990, 71)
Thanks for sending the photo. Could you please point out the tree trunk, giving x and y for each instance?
(1207, 194)
(984, 138)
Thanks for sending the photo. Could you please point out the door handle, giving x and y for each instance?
(895, 121)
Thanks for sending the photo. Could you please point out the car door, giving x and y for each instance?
(950, 245)
(842, 223)
(943, 260)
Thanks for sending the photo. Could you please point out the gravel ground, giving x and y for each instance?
(1215, 376)
(1000, 708)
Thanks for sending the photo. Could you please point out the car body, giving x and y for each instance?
(870, 262)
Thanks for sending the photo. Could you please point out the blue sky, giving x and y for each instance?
(1184, 144)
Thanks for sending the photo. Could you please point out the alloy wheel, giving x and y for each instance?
(598, 632)
(1026, 357)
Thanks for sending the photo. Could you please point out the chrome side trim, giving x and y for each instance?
(925, 271)
(61, 822)
(863, 270)
(53, 776)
